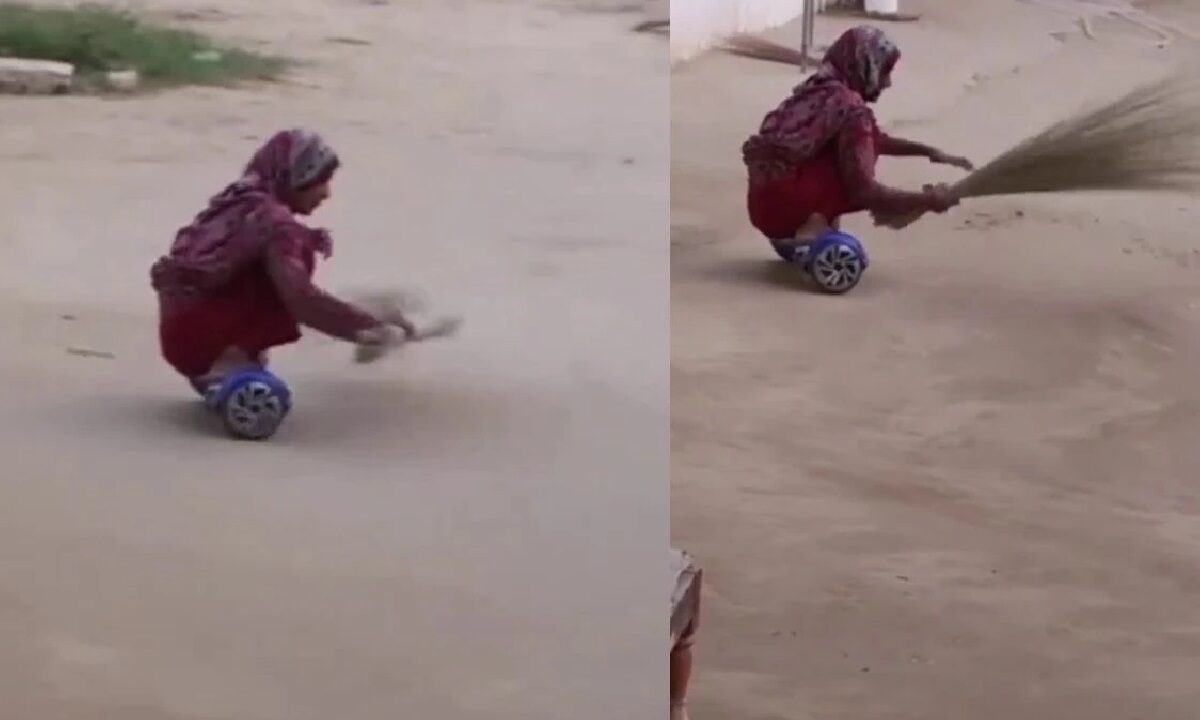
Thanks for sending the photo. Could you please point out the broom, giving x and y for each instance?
(441, 328)
(391, 305)
(1146, 140)
(756, 48)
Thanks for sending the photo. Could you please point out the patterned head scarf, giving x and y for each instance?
(862, 58)
(291, 160)
(237, 223)
(852, 74)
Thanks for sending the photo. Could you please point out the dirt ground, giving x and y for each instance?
(966, 490)
(459, 533)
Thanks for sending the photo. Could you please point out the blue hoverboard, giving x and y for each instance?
(835, 261)
(252, 404)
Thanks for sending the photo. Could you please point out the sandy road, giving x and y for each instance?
(460, 533)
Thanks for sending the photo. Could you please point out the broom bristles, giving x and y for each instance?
(756, 48)
(1145, 140)
(1148, 139)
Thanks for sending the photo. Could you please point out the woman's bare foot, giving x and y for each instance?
(233, 360)
(812, 230)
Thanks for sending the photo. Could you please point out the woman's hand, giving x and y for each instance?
(373, 343)
(940, 197)
(940, 157)
(390, 315)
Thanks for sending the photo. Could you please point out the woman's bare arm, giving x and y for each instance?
(857, 155)
(309, 304)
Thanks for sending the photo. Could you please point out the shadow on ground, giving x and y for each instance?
(775, 274)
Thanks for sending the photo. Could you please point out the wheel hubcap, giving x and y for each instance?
(837, 268)
(254, 410)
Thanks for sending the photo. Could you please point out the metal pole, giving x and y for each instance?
(805, 31)
(808, 30)
(812, 24)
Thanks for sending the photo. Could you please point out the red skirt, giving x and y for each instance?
(248, 315)
(779, 207)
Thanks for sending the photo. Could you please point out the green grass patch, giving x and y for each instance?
(97, 39)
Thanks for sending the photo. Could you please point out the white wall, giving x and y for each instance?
(697, 24)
